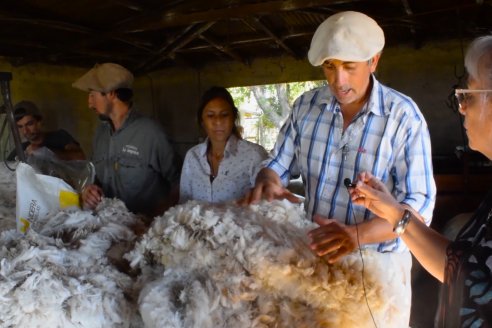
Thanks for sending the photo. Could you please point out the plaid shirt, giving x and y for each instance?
(388, 137)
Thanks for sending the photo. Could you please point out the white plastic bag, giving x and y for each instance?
(77, 173)
(39, 194)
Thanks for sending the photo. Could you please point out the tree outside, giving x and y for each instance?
(264, 108)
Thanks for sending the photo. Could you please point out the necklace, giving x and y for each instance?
(218, 157)
(214, 160)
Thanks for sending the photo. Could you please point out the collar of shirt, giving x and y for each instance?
(375, 102)
(230, 148)
(131, 116)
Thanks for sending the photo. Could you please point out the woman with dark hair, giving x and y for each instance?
(224, 166)
(464, 265)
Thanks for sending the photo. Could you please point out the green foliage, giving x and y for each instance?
(274, 102)
(265, 122)
(298, 88)
(268, 97)
(241, 95)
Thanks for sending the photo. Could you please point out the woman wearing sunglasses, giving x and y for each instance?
(464, 265)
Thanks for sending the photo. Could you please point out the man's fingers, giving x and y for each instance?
(324, 247)
(243, 201)
(94, 196)
(256, 194)
(269, 193)
(291, 197)
(327, 230)
(362, 201)
(322, 220)
(91, 196)
(366, 177)
(90, 203)
(336, 255)
(367, 191)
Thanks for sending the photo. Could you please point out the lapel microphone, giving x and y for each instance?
(348, 183)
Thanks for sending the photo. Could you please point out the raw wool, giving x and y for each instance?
(227, 266)
(57, 275)
(7, 197)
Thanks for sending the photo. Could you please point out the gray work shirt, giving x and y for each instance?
(136, 163)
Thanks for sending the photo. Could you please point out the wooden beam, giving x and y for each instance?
(250, 25)
(185, 39)
(132, 5)
(237, 42)
(175, 18)
(60, 25)
(136, 43)
(192, 36)
(251, 40)
(63, 57)
(150, 14)
(162, 49)
(222, 48)
(274, 37)
(413, 31)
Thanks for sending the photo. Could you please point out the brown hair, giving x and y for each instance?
(219, 92)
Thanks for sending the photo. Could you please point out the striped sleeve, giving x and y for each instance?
(414, 180)
(283, 158)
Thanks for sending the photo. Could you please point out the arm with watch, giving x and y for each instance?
(427, 245)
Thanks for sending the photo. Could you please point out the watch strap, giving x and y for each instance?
(400, 227)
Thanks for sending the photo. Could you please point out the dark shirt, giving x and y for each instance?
(136, 163)
(53, 140)
(466, 296)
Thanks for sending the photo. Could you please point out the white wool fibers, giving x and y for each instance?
(230, 266)
(58, 274)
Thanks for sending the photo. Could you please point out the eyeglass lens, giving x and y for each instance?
(463, 99)
(460, 98)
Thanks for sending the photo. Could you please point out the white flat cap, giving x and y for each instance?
(105, 78)
(346, 36)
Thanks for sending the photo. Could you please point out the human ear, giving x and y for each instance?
(373, 62)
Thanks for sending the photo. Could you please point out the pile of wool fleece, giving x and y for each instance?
(58, 274)
(230, 266)
(7, 197)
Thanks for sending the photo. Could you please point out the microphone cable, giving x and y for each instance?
(348, 184)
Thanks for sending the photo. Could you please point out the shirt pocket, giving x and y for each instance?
(369, 161)
(131, 174)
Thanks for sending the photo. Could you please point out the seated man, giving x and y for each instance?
(29, 123)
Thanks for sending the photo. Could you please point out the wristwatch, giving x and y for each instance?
(400, 227)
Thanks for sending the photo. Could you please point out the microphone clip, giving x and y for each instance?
(348, 183)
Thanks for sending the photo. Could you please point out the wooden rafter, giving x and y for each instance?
(163, 48)
(409, 12)
(133, 5)
(42, 31)
(274, 37)
(170, 49)
(221, 47)
(149, 14)
(59, 25)
(173, 18)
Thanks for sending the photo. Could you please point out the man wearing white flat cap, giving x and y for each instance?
(354, 124)
(133, 157)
